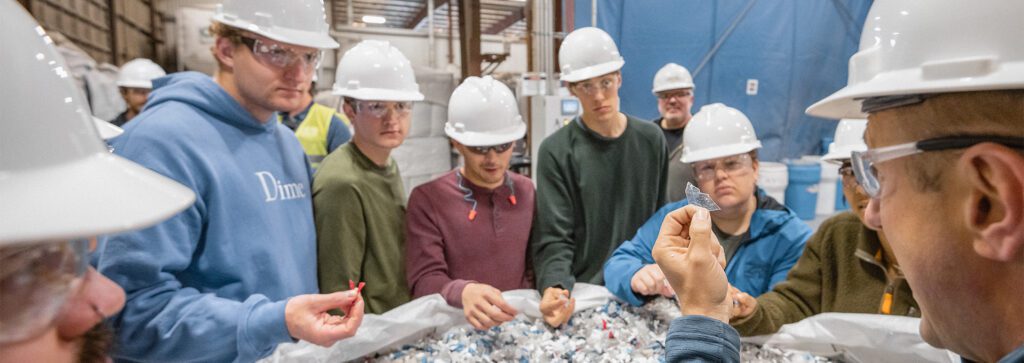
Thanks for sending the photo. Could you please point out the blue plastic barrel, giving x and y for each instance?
(802, 191)
(841, 203)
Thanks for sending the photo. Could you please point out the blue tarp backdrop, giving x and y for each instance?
(797, 50)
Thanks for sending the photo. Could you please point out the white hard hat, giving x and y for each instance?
(672, 76)
(913, 47)
(483, 112)
(57, 179)
(139, 73)
(375, 70)
(718, 131)
(587, 53)
(107, 130)
(849, 138)
(298, 22)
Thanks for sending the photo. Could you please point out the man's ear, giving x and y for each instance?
(572, 90)
(349, 111)
(224, 50)
(994, 209)
(456, 145)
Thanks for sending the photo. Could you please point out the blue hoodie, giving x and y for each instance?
(211, 283)
(777, 238)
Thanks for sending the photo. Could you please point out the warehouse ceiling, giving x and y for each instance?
(496, 16)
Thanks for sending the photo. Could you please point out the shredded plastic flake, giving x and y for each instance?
(695, 197)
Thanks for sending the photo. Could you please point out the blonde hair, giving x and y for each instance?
(220, 30)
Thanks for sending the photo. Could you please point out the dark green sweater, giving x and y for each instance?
(840, 271)
(360, 227)
(592, 194)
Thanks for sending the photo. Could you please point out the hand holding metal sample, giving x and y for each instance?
(691, 259)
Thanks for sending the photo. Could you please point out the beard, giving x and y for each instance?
(96, 344)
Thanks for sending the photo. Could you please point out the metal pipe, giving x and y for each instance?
(350, 12)
(593, 12)
(451, 36)
(431, 41)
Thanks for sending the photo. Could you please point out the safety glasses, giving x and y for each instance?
(482, 150)
(281, 57)
(35, 282)
(733, 165)
(864, 161)
(669, 96)
(379, 109)
(591, 88)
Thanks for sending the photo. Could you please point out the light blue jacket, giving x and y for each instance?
(211, 283)
(777, 238)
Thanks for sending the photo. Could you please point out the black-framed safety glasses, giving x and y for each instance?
(864, 161)
(482, 150)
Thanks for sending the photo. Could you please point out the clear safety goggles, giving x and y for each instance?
(280, 56)
(483, 150)
(735, 165)
(380, 109)
(864, 161)
(35, 282)
(591, 88)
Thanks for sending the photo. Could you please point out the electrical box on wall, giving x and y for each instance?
(751, 87)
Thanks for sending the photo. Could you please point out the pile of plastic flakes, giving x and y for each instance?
(615, 332)
(753, 353)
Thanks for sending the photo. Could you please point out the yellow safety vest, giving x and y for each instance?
(313, 130)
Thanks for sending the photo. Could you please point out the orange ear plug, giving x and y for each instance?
(512, 199)
(472, 214)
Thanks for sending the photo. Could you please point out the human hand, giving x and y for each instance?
(556, 306)
(691, 259)
(743, 303)
(484, 307)
(649, 280)
(308, 319)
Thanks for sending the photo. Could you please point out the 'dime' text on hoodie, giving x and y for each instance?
(211, 283)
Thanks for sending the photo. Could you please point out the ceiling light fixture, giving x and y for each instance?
(372, 19)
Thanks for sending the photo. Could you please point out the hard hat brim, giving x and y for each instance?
(283, 35)
(846, 103)
(135, 84)
(107, 130)
(377, 94)
(486, 138)
(668, 87)
(594, 71)
(840, 153)
(719, 152)
(96, 195)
